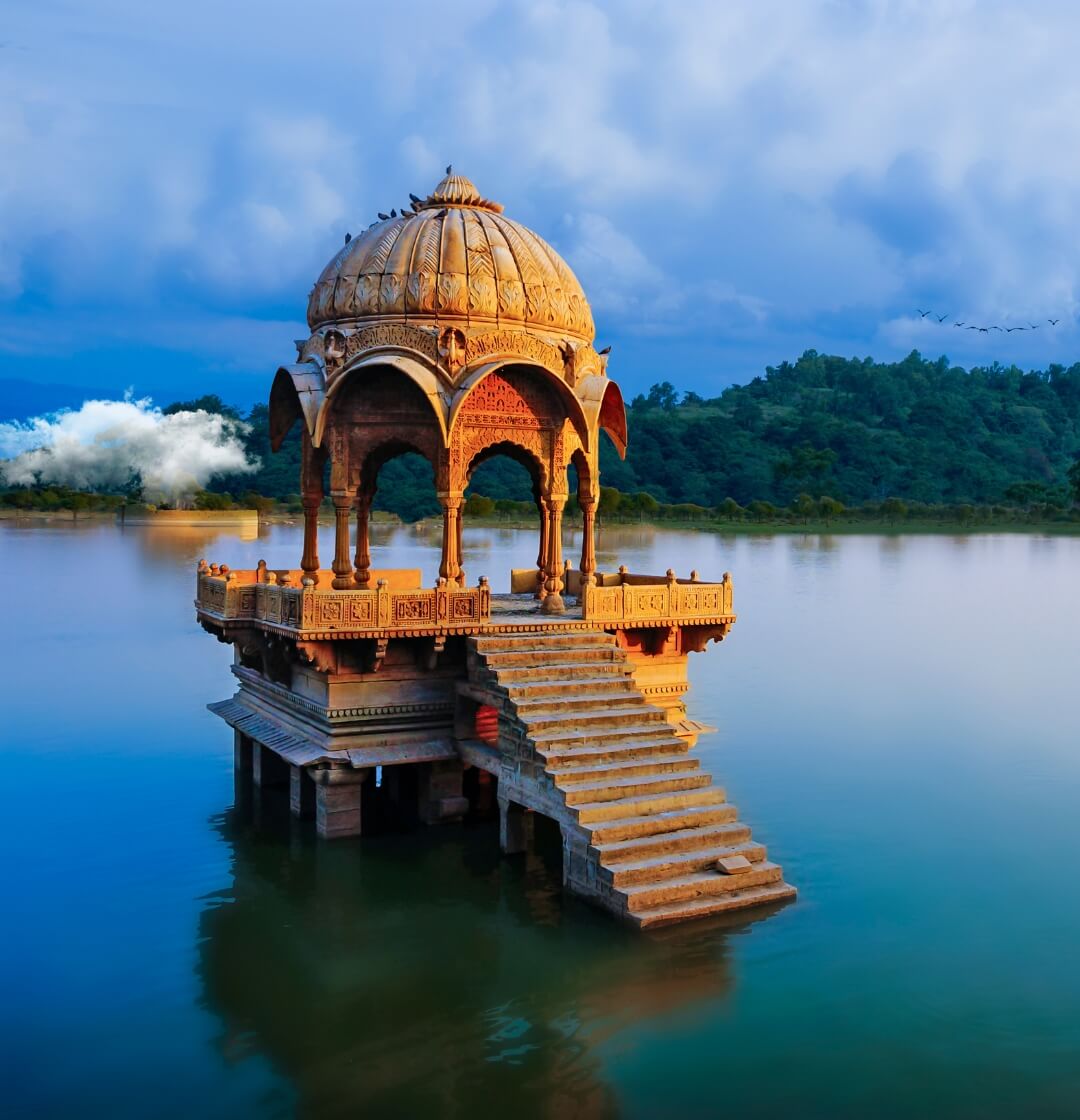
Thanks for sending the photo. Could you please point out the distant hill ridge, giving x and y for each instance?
(853, 429)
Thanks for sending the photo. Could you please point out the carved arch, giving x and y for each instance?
(561, 391)
(423, 377)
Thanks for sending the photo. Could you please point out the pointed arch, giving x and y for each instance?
(297, 393)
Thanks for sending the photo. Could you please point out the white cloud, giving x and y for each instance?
(105, 444)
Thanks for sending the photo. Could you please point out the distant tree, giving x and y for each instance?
(804, 506)
(829, 508)
(893, 509)
(1074, 481)
(477, 505)
(610, 501)
(209, 402)
(730, 509)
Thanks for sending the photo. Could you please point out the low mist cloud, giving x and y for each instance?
(105, 445)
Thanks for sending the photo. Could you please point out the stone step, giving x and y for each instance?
(621, 789)
(592, 812)
(607, 687)
(567, 777)
(580, 701)
(561, 738)
(711, 905)
(655, 825)
(677, 864)
(587, 724)
(531, 657)
(492, 644)
(614, 853)
(566, 671)
(698, 884)
(658, 748)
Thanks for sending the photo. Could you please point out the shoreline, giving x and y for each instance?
(844, 527)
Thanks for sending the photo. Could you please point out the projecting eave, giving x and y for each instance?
(602, 403)
(297, 393)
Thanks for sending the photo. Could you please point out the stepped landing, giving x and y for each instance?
(644, 828)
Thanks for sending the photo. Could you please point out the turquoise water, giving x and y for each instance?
(898, 722)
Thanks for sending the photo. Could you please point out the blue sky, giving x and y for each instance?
(733, 182)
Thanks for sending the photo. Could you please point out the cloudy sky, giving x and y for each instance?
(733, 182)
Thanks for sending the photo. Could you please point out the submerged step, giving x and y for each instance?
(712, 905)
(677, 864)
(699, 884)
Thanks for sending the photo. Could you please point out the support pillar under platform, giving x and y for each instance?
(268, 770)
(440, 792)
(515, 827)
(338, 801)
(301, 793)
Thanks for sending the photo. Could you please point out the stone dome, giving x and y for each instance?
(454, 258)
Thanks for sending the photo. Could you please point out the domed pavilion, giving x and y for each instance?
(452, 332)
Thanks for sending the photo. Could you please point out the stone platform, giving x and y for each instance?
(578, 717)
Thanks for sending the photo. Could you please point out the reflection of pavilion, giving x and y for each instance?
(412, 978)
(459, 334)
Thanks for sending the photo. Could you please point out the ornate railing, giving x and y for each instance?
(625, 597)
(289, 601)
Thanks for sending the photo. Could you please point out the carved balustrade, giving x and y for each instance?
(312, 607)
(629, 598)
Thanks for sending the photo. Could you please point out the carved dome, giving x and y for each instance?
(455, 258)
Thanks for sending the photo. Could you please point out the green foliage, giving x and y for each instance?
(477, 505)
(857, 430)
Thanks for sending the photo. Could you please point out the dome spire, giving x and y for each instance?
(456, 190)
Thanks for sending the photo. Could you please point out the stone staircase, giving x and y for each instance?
(643, 825)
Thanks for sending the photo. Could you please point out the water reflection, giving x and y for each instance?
(426, 975)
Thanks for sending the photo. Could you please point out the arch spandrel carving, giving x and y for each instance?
(540, 390)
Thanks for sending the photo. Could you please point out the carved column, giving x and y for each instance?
(588, 542)
(553, 585)
(311, 489)
(342, 565)
(541, 556)
(362, 559)
(450, 565)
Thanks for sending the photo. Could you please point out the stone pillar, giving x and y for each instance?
(342, 565)
(268, 770)
(337, 801)
(309, 562)
(440, 793)
(450, 565)
(578, 868)
(301, 793)
(242, 753)
(311, 495)
(588, 541)
(362, 559)
(515, 827)
(553, 585)
(541, 556)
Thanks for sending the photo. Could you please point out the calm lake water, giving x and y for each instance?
(898, 722)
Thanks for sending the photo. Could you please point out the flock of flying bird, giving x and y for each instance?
(985, 330)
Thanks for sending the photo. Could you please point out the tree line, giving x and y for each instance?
(812, 438)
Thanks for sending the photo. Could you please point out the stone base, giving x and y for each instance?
(440, 795)
(338, 802)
